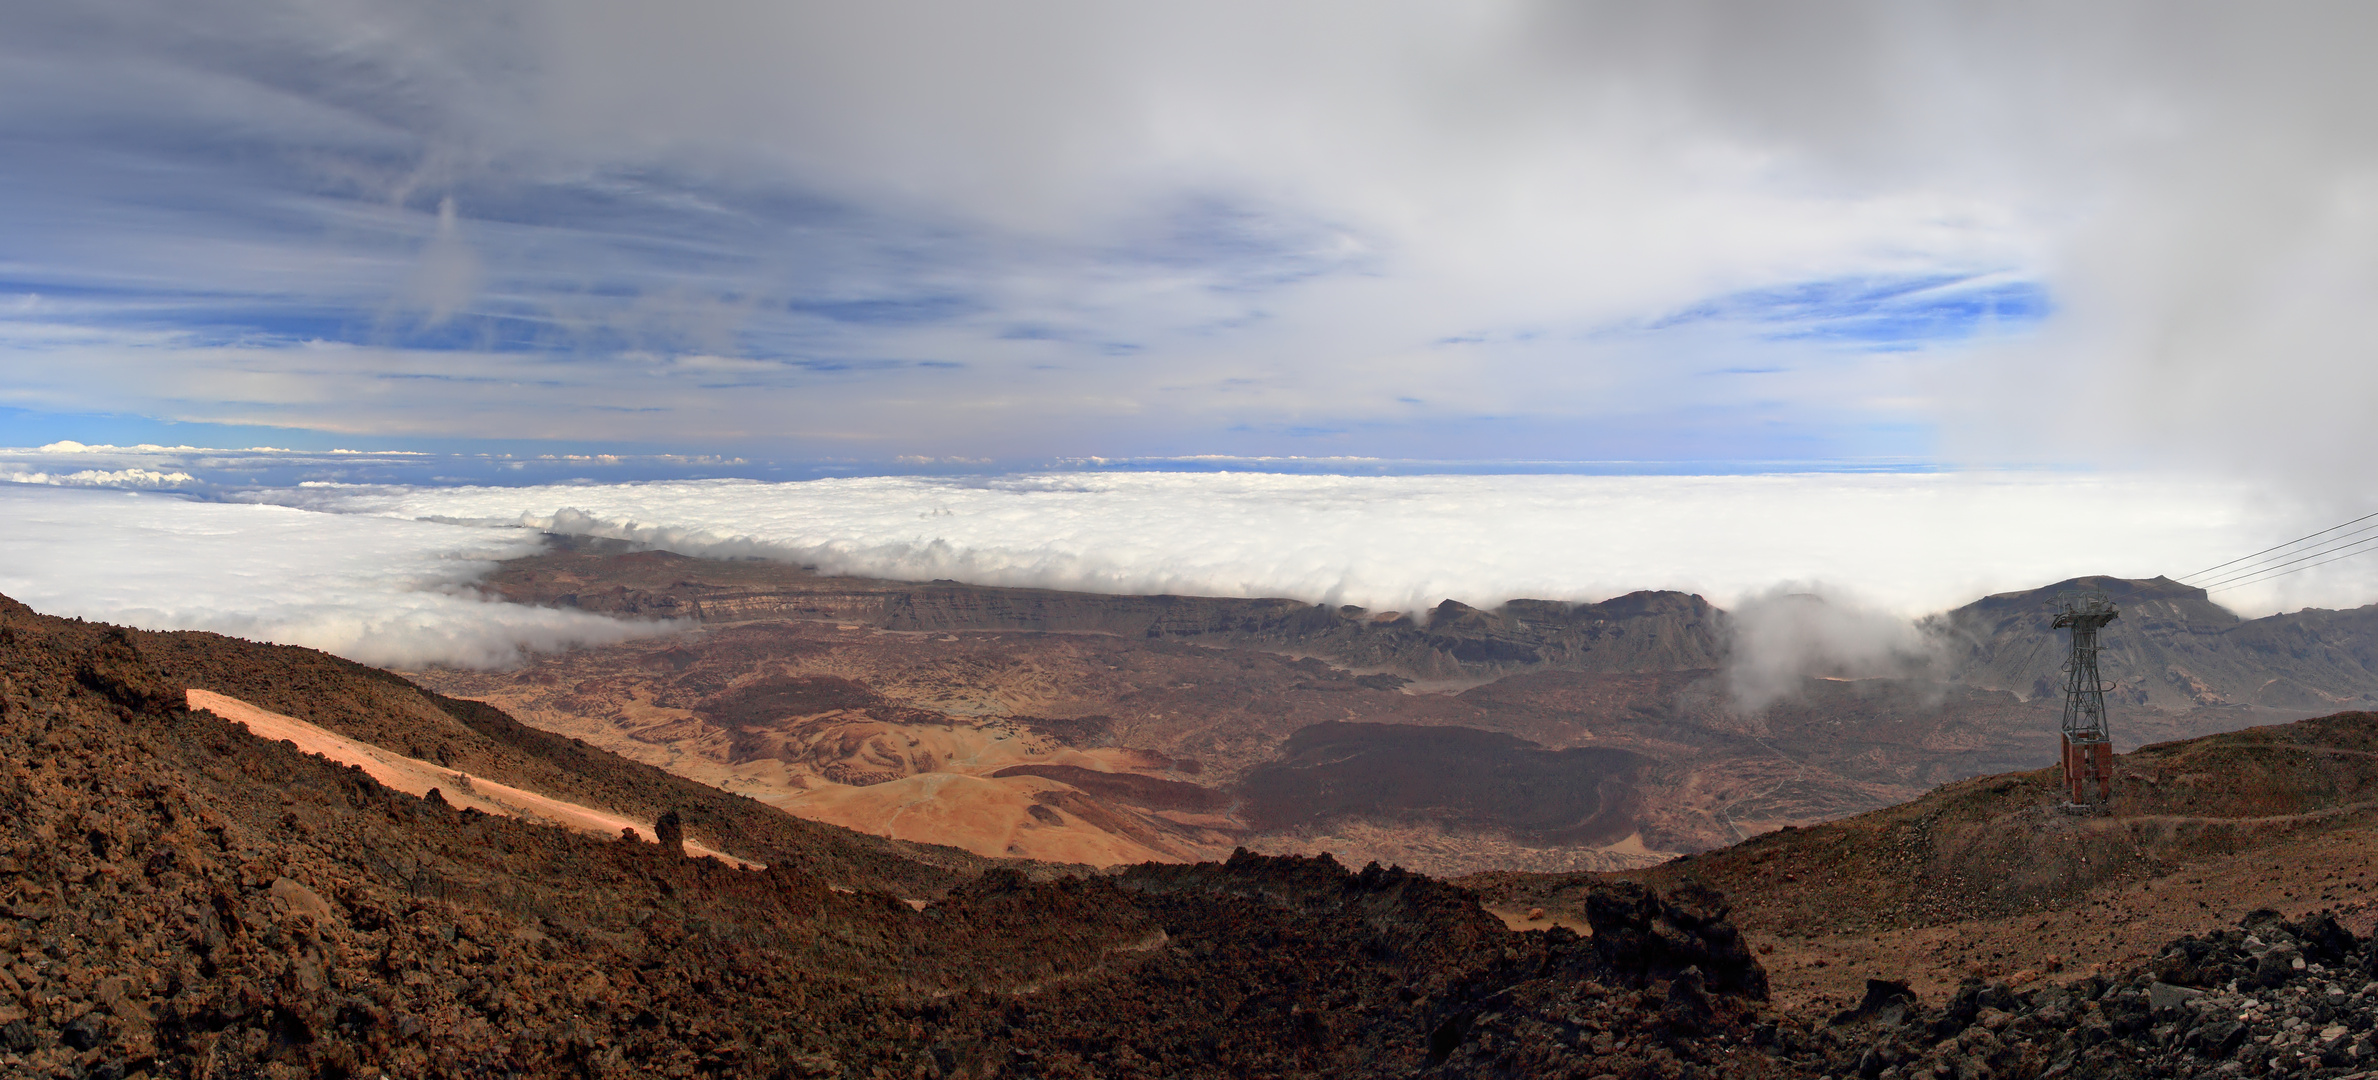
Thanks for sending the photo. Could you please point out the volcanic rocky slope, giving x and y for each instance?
(183, 899)
(179, 898)
(2005, 845)
(2268, 997)
(1995, 879)
(382, 709)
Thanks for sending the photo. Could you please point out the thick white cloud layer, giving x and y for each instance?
(383, 592)
(1824, 572)
(1905, 543)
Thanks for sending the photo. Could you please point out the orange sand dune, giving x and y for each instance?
(416, 777)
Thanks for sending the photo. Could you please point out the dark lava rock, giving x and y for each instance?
(1455, 777)
(1647, 936)
(1887, 1001)
(84, 1032)
(2219, 1039)
(2260, 1005)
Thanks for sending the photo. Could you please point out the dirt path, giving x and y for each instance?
(414, 776)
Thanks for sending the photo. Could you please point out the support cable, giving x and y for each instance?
(2242, 576)
(2289, 544)
(2297, 570)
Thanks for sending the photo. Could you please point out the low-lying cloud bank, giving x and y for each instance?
(1909, 543)
(381, 573)
(382, 592)
(1872, 552)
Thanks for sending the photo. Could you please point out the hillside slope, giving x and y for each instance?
(1993, 876)
(183, 899)
(385, 710)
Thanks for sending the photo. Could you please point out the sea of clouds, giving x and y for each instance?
(380, 591)
(1910, 543)
(381, 573)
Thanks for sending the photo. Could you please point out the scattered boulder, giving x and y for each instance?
(2219, 1039)
(1648, 937)
(2164, 999)
(2259, 1004)
(670, 831)
(84, 1032)
(1887, 1002)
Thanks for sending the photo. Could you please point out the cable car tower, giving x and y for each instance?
(2088, 747)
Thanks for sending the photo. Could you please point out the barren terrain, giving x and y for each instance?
(1108, 730)
(194, 896)
(183, 897)
(1993, 878)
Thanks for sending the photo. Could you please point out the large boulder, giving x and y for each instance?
(1645, 937)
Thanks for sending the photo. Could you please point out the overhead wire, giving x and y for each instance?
(2276, 547)
(2334, 545)
(2259, 569)
(2297, 570)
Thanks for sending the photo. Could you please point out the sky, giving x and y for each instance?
(2112, 258)
(2103, 234)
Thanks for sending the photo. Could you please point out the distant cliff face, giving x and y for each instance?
(1644, 631)
(2173, 648)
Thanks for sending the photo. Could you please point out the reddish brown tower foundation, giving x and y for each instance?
(2088, 771)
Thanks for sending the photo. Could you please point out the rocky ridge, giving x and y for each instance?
(1643, 631)
(2172, 649)
(181, 899)
(2175, 649)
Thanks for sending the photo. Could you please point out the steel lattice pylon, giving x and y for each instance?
(2088, 747)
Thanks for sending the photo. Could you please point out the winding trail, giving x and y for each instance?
(414, 776)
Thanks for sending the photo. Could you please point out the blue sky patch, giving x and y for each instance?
(1880, 314)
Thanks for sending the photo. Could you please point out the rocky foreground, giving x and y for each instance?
(2271, 997)
(181, 899)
